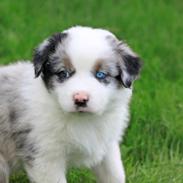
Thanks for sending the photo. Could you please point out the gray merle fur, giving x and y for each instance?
(41, 58)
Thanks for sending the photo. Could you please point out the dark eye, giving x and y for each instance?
(63, 74)
(100, 75)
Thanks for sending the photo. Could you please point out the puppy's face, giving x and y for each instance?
(86, 68)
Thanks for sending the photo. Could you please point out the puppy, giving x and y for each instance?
(72, 112)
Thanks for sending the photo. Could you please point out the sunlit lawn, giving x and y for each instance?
(153, 146)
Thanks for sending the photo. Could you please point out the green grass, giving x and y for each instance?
(153, 146)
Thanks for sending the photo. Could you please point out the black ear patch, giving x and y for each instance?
(129, 64)
(131, 69)
(42, 53)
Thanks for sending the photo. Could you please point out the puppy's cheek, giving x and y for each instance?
(64, 99)
(100, 100)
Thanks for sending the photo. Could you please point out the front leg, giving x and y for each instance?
(110, 170)
(47, 172)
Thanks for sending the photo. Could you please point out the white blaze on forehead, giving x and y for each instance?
(85, 45)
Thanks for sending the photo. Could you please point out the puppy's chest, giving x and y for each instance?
(83, 146)
(78, 155)
(79, 144)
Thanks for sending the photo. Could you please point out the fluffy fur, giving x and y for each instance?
(41, 124)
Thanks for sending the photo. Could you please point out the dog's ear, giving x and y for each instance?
(130, 65)
(45, 49)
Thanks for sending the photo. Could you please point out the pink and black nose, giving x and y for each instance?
(81, 99)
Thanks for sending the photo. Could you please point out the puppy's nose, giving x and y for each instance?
(81, 98)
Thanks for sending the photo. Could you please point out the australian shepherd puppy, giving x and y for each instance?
(69, 108)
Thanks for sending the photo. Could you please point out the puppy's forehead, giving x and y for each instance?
(85, 46)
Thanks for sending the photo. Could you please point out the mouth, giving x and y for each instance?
(81, 113)
(82, 110)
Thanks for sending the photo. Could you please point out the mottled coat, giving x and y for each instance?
(69, 108)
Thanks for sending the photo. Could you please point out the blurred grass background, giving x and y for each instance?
(153, 145)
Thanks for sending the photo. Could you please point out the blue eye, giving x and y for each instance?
(100, 75)
(63, 74)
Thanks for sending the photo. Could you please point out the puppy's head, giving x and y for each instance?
(86, 69)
